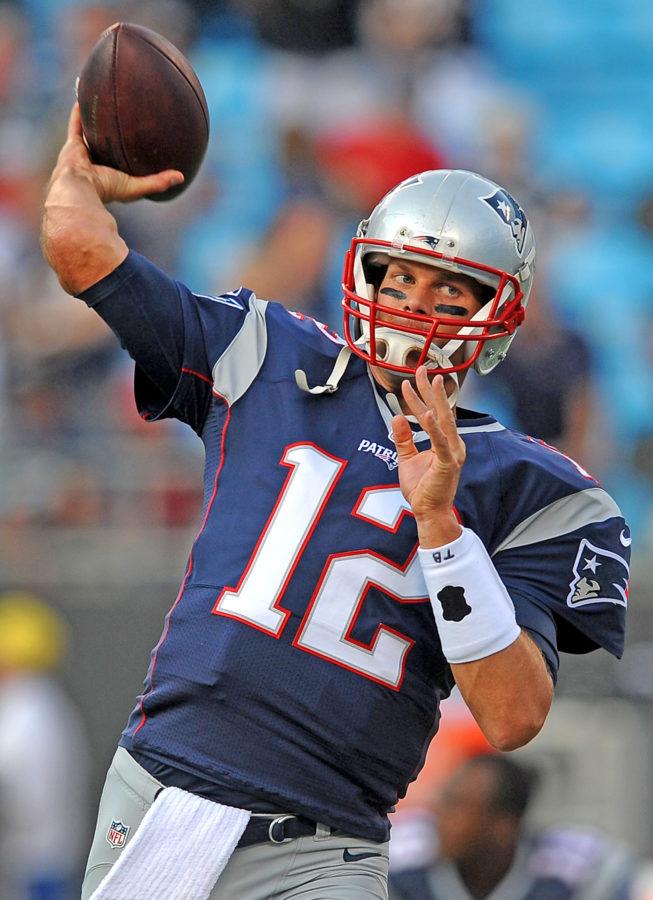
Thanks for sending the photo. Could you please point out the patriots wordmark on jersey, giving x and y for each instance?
(300, 665)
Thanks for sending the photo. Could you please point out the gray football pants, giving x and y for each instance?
(311, 868)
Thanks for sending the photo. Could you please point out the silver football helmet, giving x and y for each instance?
(454, 220)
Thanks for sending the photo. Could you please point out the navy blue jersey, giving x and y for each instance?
(300, 663)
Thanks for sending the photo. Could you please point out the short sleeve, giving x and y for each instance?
(174, 336)
(540, 623)
(580, 578)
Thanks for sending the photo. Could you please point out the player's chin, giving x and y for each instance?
(392, 381)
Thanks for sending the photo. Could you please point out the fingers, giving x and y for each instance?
(112, 184)
(402, 435)
(445, 413)
(428, 419)
(425, 404)
(133, 188)
(75, 123)
(431, 409)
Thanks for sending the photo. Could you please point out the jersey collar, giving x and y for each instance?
(467, 421)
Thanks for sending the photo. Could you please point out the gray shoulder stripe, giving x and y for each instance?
(240, 363)
(561, 517)
(470, 429)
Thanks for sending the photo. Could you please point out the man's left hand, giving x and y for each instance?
(429, 478)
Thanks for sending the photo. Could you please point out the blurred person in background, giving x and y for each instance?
(43, 758)
(414, 827)
(397, 43)
(484, 848)
(545, 387)
(412, 59)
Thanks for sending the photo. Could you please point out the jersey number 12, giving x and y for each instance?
(326, 629)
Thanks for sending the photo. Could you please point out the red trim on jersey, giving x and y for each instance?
(276, 633)
(582, 471)
(380, 487)
(381, 627)
(189, 568)
(199, 375)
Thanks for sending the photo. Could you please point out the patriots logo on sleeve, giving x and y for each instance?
(600, 576)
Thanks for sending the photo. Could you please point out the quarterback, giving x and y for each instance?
(363, 542)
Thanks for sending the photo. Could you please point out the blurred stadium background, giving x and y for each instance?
(317, 108)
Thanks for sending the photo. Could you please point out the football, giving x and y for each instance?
(142, 106)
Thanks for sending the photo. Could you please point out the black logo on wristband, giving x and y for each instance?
(454, 603)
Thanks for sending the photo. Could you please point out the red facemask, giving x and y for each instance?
(412, 339)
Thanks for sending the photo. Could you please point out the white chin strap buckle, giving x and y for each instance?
(401, 349)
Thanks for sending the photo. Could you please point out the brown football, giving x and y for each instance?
(142, 106)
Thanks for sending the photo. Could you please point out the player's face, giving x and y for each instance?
(464, 814)
(421, 288)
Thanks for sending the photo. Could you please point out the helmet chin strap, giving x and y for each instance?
(399, 346)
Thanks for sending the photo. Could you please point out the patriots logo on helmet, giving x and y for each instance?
(510, 212)
(600, 576)
(427, 239)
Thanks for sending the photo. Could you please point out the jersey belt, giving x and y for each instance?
(278, 829)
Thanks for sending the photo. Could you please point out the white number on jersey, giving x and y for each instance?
(330, 618)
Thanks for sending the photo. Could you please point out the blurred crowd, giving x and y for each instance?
(317, 108)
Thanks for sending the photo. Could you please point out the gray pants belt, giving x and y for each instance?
(280, 856)
(277, 829)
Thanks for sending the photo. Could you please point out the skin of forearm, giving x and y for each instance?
(436, 530)
(79, 237)
(509, 693)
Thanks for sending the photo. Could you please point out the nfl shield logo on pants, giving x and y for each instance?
(117, 834)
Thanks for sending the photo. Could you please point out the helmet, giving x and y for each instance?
(454, 220)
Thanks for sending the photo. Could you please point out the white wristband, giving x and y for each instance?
(473, 610)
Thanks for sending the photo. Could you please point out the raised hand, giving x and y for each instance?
(110, 184)
(79, 236)
(429, 478)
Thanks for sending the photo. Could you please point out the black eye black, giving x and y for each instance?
(446, 309)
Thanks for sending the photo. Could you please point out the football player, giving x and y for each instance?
(363, 542)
